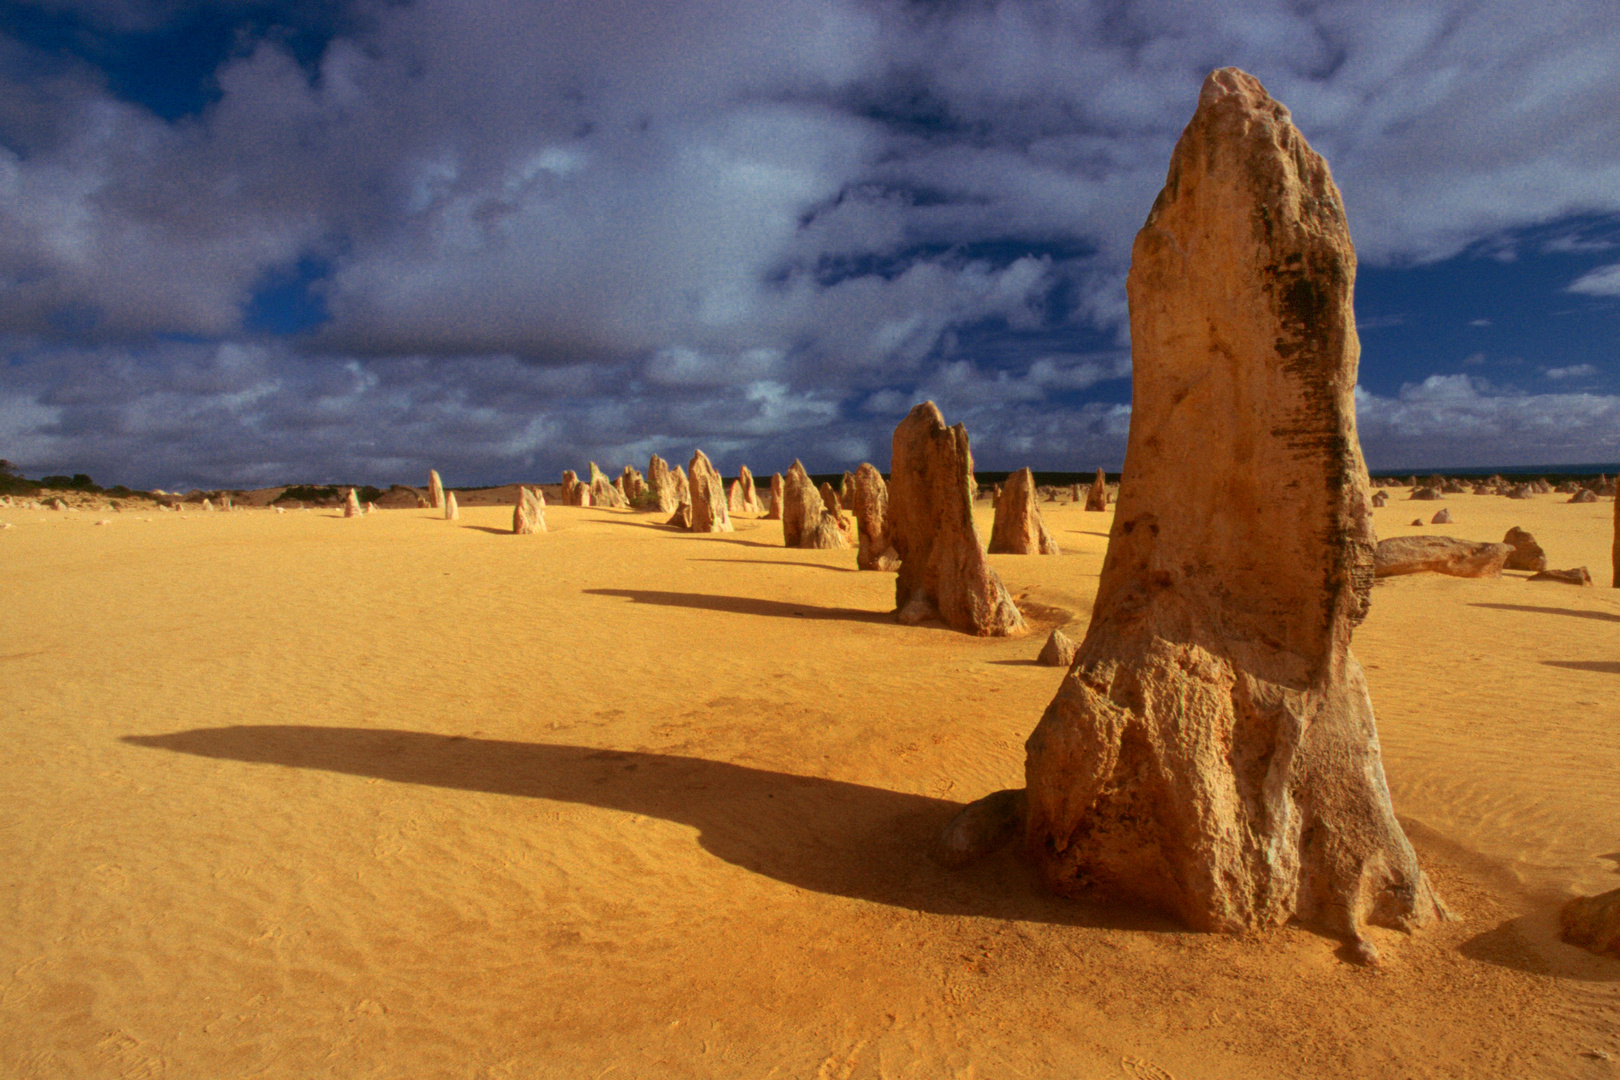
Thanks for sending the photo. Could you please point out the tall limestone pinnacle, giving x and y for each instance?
(1212, 752)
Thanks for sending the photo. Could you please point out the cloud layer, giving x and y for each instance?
(502, 237)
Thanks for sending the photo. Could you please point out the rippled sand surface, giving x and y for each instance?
(295, 796)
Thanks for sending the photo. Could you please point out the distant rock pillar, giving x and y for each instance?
(435, 489)
(943, 572)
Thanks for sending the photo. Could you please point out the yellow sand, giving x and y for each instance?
(295, 796)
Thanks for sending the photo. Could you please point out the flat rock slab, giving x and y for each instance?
(1438, 555)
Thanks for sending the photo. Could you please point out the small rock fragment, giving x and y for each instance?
(1058, 651)
(1578, 576)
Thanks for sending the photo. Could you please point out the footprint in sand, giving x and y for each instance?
(1143, 1070)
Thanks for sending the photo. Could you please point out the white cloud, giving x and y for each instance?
(1604, 281)
(1575, 371)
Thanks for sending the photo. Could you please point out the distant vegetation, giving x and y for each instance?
(314, 493)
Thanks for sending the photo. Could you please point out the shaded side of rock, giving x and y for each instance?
(351, 504)
(1526, 554)
(1578, 576)
(943, 572)
(1593, 923)
(1097, 496)
(774, 512)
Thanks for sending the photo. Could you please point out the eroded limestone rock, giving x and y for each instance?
(1097, 497)
(709, 514)
(1380, 498)
(1593, 923)
(351, 504)
(1443, 517)
(1439, 555)
(774, 513)
(436, 489)
(452, 512)
(743, 499)
(529, 514)
(604, 492)
(1019, 528)
(943, 572)
(1212, 753)
(1580, 575)
(1058, 651)
(661, 482)
(869, 496)
(1526, 553)
(801, 505)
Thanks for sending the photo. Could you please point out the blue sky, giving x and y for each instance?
(248, 243)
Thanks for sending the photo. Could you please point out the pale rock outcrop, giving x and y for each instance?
(436, 489)
(1526, 553)
(800, 505)
(1438, 555)
(371, 508)
(570, 488)
(1380, 498)
(829, 498)
(661, 483)
(1097, 497)
(1593, 923)
(709, 513)
(1212, 753)
(632, 483)
(807, 521)
(529, 513)
(351, 505)
(1578, 576)
(774, 511)
(1441, 518)
(743, 499)
(869, 496)
(1019, 528)
(1058, 651)
(206, 505)
(943, 572)
(452, 512)
(604, 492)
(846, 491)
(683, 485)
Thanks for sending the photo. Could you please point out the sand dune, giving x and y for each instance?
(294, 796)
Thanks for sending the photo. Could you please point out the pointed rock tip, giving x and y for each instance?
(1230, 85)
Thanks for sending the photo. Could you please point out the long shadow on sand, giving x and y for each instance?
(827, 836)
(786, 562)
(1602, 667)
(1601, 616)
(744, 605)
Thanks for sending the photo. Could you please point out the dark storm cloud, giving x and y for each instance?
(509, 236)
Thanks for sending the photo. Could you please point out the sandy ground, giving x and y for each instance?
(294, 796)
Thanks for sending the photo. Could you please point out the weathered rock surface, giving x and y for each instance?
(351, 504)
(807, 522)
(709, 514)
(682, 517)
(1439, 555)
(1526, 553)
(774, 513)
(604, 492)
(1380, 498)
(869, 496)
(1522, 491)
(635, 487)
(1058, 651)
(1019, 528)
(943, 572)
(800, 505)
(1212, 753)
(436, 489)
(661, 482)
(743, 498)
(574, 493)
(1441, 518)
(846, 491)
(529, 515)
(1578, 576)
(1584, 495)
(1097, 495)
(451, 511)
(1593, 923)
(1426, 494)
